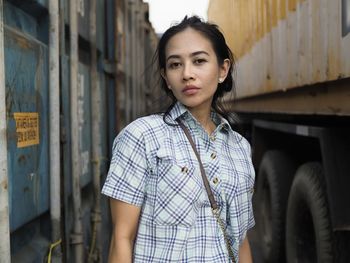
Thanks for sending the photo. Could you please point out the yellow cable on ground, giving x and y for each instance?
(52, 246)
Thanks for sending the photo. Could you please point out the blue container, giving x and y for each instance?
(26, 74)
(27, 101)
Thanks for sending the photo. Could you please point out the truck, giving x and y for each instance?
(293, 97)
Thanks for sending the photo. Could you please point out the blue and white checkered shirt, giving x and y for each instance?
(154, 167)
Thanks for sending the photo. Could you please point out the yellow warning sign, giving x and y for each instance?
(27, 128)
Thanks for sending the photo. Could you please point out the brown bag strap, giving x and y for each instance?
(204, 177)
(212, 201)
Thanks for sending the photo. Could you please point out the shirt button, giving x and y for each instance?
(213, 156)
(184, 170)
(212, 138)
(215, 180)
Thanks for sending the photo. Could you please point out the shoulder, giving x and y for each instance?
(150, 121)
(145, 135)
(147, 129)
(245, 143)
(143, 125)
(240, 141)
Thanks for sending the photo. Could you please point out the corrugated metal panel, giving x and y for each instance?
(84, 123)
(27, 88)
(83, 17)
(100, 25)
(110, 79)
(26, 92)
(84, 109)
(65, 124)
(5, 250)
(83, 20)
(18, 19)
(104, 123)
(284, 44)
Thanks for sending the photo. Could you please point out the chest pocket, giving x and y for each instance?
(177, 195)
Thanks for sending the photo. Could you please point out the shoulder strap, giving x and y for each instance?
(204, 177)
(213, 204)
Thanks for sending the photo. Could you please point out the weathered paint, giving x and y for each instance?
(54, 132)
(283, 44)
(84, 104)
(26, 91)
(324, 100)
(100, 26)
(84, 123)
(83, 7)
(77, 231)
(4, 194)
(246, 22)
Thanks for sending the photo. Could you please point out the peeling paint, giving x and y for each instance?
(4, 184)
(304, 47)
(26, 92)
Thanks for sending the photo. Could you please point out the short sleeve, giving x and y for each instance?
(251, 220)
(251, 181)
(242, 216)
(128, 169)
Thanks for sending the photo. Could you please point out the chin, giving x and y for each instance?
(194, 102)
(192, 105)
(189, 104)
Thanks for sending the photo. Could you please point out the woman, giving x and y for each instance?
(160, 208)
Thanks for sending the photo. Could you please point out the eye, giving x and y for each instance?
(174, 65)
(200, 61)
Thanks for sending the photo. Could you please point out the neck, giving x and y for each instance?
(202, 115)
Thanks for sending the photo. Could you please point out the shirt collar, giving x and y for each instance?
(220, 121)
(179, 110)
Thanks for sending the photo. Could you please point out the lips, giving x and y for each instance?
(190, 90)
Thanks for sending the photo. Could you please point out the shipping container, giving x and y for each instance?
(65, 69)
(293, 96)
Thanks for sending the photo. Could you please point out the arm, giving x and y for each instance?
(125, 218)
(245, 255)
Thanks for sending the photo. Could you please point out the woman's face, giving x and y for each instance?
(192, 71)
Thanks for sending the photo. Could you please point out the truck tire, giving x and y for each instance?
(309, 233)
(274, 179)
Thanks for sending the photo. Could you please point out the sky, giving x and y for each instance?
(163, 13)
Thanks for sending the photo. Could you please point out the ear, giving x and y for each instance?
(162, 73)
(224, 69)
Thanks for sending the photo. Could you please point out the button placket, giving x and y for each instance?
(212, 159)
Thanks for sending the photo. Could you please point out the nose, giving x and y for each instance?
(187, 73)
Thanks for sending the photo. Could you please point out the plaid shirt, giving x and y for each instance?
(154, 167)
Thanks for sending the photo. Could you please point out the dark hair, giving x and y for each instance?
(222, 51)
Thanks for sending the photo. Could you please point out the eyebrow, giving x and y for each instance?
(191, 55)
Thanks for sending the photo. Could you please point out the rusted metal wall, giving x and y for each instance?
(109, 77)
(135, 45)
(4, 194)
(288, 44)
(27, 112)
